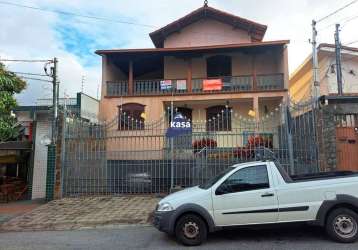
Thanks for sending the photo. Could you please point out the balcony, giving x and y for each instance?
(230, 84)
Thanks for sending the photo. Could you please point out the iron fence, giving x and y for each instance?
(130, 156)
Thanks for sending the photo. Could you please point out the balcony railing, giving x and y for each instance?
(118, 88)
(229, 84)
(269, 82)
(158, 87)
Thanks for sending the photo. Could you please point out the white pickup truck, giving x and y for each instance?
(258, 193)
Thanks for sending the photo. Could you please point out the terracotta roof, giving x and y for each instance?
(189, 49)
(257, 30)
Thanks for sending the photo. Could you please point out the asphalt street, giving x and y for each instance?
(146, 237)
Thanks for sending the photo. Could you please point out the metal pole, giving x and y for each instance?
(316, 82)
(315, 68)
(289, 140)
(171, 149)
(338, 60)
(54, 99)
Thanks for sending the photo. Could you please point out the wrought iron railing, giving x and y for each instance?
(229, 84)
(270, 82)
(159, 86)
(117, 88)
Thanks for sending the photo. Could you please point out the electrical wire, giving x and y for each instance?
(346, 44)
(336, 11)
(105, 19)
(35, 79)
(24, 60)
(30, 74)
(345, 19)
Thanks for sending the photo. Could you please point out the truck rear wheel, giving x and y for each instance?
(342, 225)
(191, 230)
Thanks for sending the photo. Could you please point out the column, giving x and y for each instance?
(130, 78)
(254, 80)
(189, 76)
(256, 108)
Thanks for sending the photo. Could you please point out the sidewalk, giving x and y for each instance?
(14, 209)
(81, 213)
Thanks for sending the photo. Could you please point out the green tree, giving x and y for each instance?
(10, 84)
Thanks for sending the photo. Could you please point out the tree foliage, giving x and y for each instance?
(10, 84)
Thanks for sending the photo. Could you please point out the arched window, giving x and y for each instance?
(218, 118)
(131, 116)
(217, 66)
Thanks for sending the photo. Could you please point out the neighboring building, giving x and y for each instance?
(301, 78)
(248, 75)
(36, 121)
(338, 117)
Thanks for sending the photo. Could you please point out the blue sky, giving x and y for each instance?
(29, 34)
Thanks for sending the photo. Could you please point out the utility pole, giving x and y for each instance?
(82, 83)
(338, 60)
(54, 99)
(315, 69)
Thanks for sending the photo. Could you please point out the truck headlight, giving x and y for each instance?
(164, 207)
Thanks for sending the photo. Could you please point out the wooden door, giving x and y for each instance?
(347, 148)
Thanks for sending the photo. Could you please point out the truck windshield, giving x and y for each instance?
(209, 183)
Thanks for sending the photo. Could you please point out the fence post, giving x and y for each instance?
(171, 150)
(50, 177)
(289, 139)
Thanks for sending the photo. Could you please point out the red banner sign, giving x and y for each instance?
(212, 84)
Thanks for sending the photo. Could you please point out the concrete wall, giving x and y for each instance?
(349, 72)
(301, 83)
(207, 32)
(89, 107)
(242, 64)
(40, 158)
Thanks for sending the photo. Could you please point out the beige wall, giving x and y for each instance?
(350, 81)
(301, 82)
(207, 32)
(242, 64)
(154, 105)
(153, 139)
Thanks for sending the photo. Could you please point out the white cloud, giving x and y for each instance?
(29, 33)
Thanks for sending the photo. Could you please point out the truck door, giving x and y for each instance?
(246, 197)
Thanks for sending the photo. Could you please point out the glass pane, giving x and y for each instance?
(251, 178)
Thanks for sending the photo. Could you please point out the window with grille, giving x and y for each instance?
(131, 116)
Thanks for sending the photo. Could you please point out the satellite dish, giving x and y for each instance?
(45, 140)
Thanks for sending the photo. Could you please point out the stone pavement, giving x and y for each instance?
(83, 213)
(17, 208)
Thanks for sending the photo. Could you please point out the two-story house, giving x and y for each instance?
(205, 62)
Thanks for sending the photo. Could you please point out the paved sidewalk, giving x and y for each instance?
(83, 213)
(17, 208)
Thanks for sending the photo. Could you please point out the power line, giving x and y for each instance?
(30, 74)
(336, 11)
(350, 19)
(106, 19)
(346, 44)
(35, 79)
(345, 19)
(24, 60)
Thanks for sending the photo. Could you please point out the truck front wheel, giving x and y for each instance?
(342, 225)
(191, 230)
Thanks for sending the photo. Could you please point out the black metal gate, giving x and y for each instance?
(130, 156)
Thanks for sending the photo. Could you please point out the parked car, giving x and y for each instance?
(258, 193)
